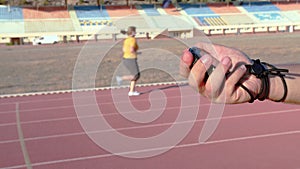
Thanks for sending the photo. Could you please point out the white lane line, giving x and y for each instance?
(253, 137)
(15, 167)
(86, 105)
(21, 139)
(71, 105)
(163, 148)
(147, 126)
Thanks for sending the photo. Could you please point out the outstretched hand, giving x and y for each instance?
(224, 83)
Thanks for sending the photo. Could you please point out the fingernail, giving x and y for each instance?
(226, 61)
(205, 59)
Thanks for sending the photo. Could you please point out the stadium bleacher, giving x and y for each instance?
(172, 10)
(10, 13)
(137, 20)
(293, 16)
(144, 16)
(121, 11)
(286, 6)
(91, 12)
(45, 12)
(11, 20)
(150, 10)
(196, 9)
(212, 20)
(260, 6)
(241, 19)
(270, 17)
(12, 27)
(170, 22)
(223, 8)
(74, 19)
(48, 26)
(92, 16)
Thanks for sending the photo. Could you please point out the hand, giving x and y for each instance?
(224, 84)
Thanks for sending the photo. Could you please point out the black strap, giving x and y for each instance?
(279, 72)
(262, 70)
(249, 92)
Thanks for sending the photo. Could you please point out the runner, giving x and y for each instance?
(130, 48)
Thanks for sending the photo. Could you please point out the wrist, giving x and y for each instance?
(276, 88)
(273, 84)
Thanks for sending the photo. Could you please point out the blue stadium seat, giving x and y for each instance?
(11, 13)
(91, 12)
(203, 19)
(196, 9)
(260, 6)
(150, 10)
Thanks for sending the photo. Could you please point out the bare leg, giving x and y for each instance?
(132, 86)
(132, 91)
(128, 77)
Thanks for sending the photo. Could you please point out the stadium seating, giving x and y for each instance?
(293, 16)
(91, 12)
(270, 17)
(80, 18)
(223, 8)
(196, 9)
(49, 26)
(150, 10)
(212, 20)
(121, 11)
(74, 19)
(12, 27)
(45, 13)
(11, 20)
(286, 6)
(92, 16)
(241, 19)
(170, 22)
(137, 20)
(172, 10)
(10, 13)
(260, 6)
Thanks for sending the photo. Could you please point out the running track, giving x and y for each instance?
(43, 131)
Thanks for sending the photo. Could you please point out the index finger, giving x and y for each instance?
(185, 62)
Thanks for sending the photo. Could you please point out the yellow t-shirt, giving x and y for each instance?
(128, 44)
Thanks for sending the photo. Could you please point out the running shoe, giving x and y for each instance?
(134, 93)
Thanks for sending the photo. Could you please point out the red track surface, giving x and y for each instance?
(44, 131)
